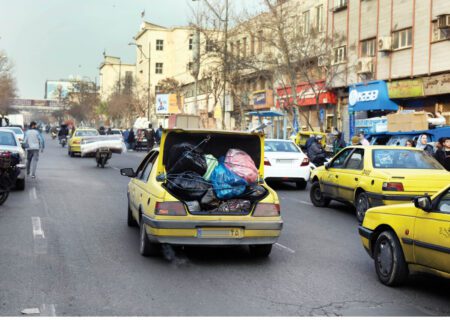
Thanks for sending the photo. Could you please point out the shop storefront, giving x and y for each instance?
(305, 103)
(368, 103)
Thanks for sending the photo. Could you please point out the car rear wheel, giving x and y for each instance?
(301, 185)
(317, 197)
(389, 261)
(260, 250)
(3, 196)
(362, 205)
(147, 248)
(20, 184)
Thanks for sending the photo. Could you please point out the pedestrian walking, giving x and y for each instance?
(443, 155)
(422, 144)
(150, 136)
(158, 134)
(125, 135)
(131, 139)
(339, 143)
(34, 142)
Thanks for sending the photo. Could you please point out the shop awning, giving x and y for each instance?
(268, 114)
(370, 96)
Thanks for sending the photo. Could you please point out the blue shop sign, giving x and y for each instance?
(370, 96)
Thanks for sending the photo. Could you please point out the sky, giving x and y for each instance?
(57, 39)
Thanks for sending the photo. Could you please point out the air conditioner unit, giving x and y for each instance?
(341, 5)
(384, 44)
(444, 21)
(365, 65)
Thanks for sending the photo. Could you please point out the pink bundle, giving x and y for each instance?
(240, 163)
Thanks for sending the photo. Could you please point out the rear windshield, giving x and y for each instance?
(86, 133)
(403, 159)
(7, 139)
(16, 130)
(280, 146)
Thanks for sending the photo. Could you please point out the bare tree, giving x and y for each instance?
(83, 100)
(7, 84)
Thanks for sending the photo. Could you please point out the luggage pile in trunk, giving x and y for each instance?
(207, 184)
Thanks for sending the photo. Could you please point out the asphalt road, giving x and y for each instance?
(66, 250)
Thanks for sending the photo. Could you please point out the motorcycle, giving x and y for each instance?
(54, 135)
(102, 156)
(63, 141)
(9, 171)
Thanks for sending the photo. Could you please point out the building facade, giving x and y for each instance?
(111, 71)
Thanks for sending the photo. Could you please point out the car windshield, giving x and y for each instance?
(280, 146)
(16, 130)
(115, 131)
(7, 139)
(86, 133)
(404, 159)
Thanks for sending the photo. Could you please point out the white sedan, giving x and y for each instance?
(285, 161)
(10, 142)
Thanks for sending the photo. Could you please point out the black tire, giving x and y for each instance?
(317, 197)
(390, 264)
(130, 220)
(103, 162)
(301, 185)
(146, 247)
(260, 250)
(20, 184)
(3, 196)
(362, 204)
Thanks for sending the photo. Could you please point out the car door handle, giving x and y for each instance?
(356, 179)
(337, 176)
(148, 201)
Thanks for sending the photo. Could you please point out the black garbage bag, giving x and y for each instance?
(183, 157)
(254, 193)
(187, 186)
(234, 206)
(209, 200)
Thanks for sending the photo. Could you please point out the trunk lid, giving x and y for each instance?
(419, 180)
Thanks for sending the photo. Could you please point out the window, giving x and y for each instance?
(238, 48)
(305, 26)
(158, 89)
(159, 45)
(403, 159)
(159, 68)
(146, 172)
(244, 47)
(368, 48)
(339, 160)
(260, 42)
(440, 34)
(191, 42)
(340, 54)
(7, 139)
(319, 18)
(252, 45)
(356, 160)
(402, 39)
(444, 203)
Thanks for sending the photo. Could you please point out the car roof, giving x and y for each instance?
(382, 147)
(280, 140)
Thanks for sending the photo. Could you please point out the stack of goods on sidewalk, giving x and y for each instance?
(207, 184)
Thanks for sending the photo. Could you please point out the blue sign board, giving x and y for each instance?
(370, 96)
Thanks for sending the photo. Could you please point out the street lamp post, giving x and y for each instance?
(149, 71)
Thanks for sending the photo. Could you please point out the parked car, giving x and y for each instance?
(164, 218)
(284, 161)
(10, 142)
(18, 132)
(407, 238)
(116, 132)
(376, 175)
(75, 139)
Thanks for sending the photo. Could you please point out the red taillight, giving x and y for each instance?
(393, 186)
(266, 162)
(267, 210)
(305, 162)
(170, 209)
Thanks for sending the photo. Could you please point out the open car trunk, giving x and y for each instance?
(214, 173)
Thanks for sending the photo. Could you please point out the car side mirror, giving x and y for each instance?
(423, 203)
(128, 172)
(327, 165)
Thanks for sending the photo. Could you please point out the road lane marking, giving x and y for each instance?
(37, 227)
(303, 202)
(115, 168)
(33, 193)
(284, 247)
(48, 310)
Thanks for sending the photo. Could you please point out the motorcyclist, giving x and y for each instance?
(63, 132)
(102, 131)
(316, 152)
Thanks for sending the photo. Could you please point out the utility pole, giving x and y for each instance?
(149, 71)
(196, 58)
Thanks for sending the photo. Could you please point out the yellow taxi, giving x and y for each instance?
(408, 238)
(75, 140)
(164, 218)
(302, 136)
(375, 176)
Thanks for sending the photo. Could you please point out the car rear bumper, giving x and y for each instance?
(302, 174)
(189, 232)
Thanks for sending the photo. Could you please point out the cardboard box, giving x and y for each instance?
(407, 121)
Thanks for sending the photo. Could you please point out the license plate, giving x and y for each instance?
(284, 161)
(220, 232)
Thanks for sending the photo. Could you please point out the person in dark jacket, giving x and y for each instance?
(158, 134)
(131, 139)
(339, 143)
(309, 142)
(422, 143)
(150, 136)
(316, 152)
(443, 155)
